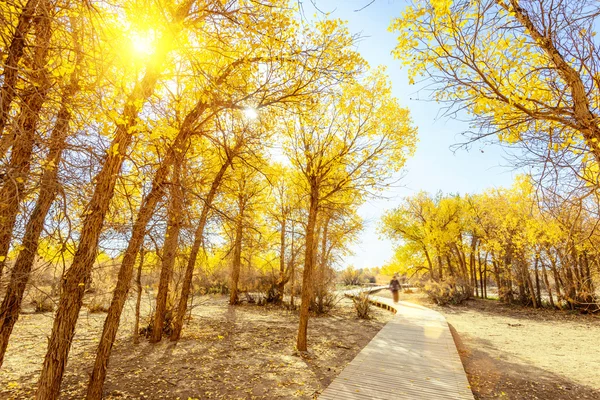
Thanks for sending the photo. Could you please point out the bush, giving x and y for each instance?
(370, 278)
(351, 277)
(362, 305)
(98, 304)
(167, 326)
(448, 291)
(324, 302)
(42, 302)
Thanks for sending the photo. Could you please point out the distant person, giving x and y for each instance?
(395, 287)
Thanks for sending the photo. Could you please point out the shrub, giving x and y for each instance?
(362, 305)
(324, 302)
(448, 291)
(351, 276)
(42, 302)
(98, 304)
(167, 326)
(370, 278)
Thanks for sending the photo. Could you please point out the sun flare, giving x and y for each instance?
(251, 113)
(143, 43)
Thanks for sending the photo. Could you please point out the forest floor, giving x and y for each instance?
(513, 352)
(243, 352)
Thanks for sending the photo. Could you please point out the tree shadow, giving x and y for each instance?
(493, 378)
(516, 311)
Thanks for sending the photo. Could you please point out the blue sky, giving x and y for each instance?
(434, 166)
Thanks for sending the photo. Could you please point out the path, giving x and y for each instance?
(412, 357)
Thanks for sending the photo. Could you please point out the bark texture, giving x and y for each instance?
(11, 71)
(236, 263)
(309, 262)
(78, 275)
(198, 238)
(11, 305)
(12, 191)
(169, 250)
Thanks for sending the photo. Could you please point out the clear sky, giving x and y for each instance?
(434, 166)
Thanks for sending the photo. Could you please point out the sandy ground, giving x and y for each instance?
(244, 352)
(511, 352)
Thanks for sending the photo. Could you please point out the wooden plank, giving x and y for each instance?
(412, 357)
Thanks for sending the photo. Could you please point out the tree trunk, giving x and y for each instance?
(309, 262)
(537, 281)
(175, 218)
(11, 72)
(138, 300)
(481, 279)
(9, 311)
(472, 265)
(78, 275)
(547, 283)
(198, 238)
(292, 269)
(429, 264)
(149, 203)
(559, 297)
(237, 252)
(281, 282)
(322, 267)
(485, 280)
(12, 191)
(451, 271)
(113, 317)
(531, 289)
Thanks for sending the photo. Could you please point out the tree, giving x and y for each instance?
(507, 231)
(345, 148)
(9, 310)
(78, 274)
(524, 71)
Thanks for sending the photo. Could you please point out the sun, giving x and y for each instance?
(143, 43)
(251, 113)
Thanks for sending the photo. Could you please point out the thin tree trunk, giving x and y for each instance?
(78, 275)
(198, 238)
(309, 262)
(559, 296)
(237, 252)
(451, 271)
(529, 283)
(481, 279)
(12, 191)
(138, 301)
(322, 265)
(537, 281)
(281, 282)
(429, 263)
(292, 269)
(175, 218)
(485, 280)
(11, 72)
(547, 283)
(472, 265)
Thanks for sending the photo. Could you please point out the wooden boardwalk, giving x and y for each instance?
(412, 357)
